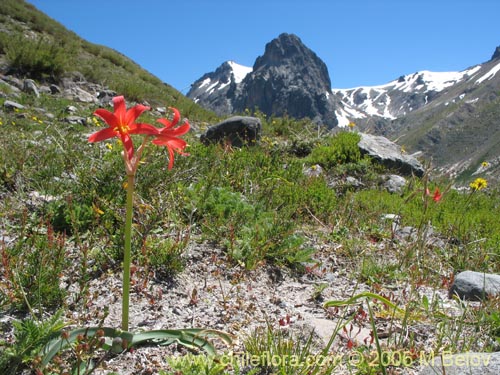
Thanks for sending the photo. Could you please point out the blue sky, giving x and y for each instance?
(362, 42)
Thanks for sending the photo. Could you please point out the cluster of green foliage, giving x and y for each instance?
(339, 149)
(40, 58)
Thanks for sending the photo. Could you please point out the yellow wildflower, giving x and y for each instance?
(97, 210)
(109, 146)
(478, 184)
(484, 164)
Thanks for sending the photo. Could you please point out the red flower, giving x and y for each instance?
(168, 136)
(122, 124)
(437, 195)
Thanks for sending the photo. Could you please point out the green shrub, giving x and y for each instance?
(33, 268)
(340, 149)
(38, 58)
(30, 336)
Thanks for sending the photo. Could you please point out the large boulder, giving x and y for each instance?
(475, 286)
(235, 131)
(390, 154)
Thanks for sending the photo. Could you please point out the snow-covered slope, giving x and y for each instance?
(407, 93)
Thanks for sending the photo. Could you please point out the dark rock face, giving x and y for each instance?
(235, 131)
(215, 90)
(288, 79)
(496, 54)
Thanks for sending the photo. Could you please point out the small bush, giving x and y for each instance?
(340, 149)
(38, 58)
(33, 269)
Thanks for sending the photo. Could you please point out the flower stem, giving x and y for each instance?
(127, 250)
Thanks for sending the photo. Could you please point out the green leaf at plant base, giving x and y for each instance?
(192, 338)
(371, 295)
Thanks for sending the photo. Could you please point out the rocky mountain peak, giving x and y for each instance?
(287, 50)
(496, 54)
(288, 79)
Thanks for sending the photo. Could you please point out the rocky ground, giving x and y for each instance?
(212, 293)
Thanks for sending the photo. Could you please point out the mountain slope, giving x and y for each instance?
(222, 81)
(36, 46)
(399, 97)
(460, 127)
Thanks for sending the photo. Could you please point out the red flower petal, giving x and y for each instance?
(103, 134)
(437, 195)
(135, 112)
(108, 117)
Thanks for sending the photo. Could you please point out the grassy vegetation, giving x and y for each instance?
(36, 46)
(61, 214)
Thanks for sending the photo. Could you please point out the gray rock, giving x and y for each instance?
(71, 109)
(236, 130)
(54, 89)
(394, 183)
(80, 95)
(13, 81)
(30, 87)
(75, 120)
(406, 233)
(463, 363)
(353, 182)
(475, 286)
(9, 104)
(389, 154)
(105, 97)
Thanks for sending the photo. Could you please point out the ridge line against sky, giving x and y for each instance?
(362, 42)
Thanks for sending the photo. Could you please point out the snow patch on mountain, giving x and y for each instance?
(239, 71)
(400, 96)
(490, 74)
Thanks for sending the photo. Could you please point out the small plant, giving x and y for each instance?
(340, 149)
(279, 351)
(191, 364)
(32, 269)
(318, 291)
(30, 337)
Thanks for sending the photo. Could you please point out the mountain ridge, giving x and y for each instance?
(416, 108)
(289, 79)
